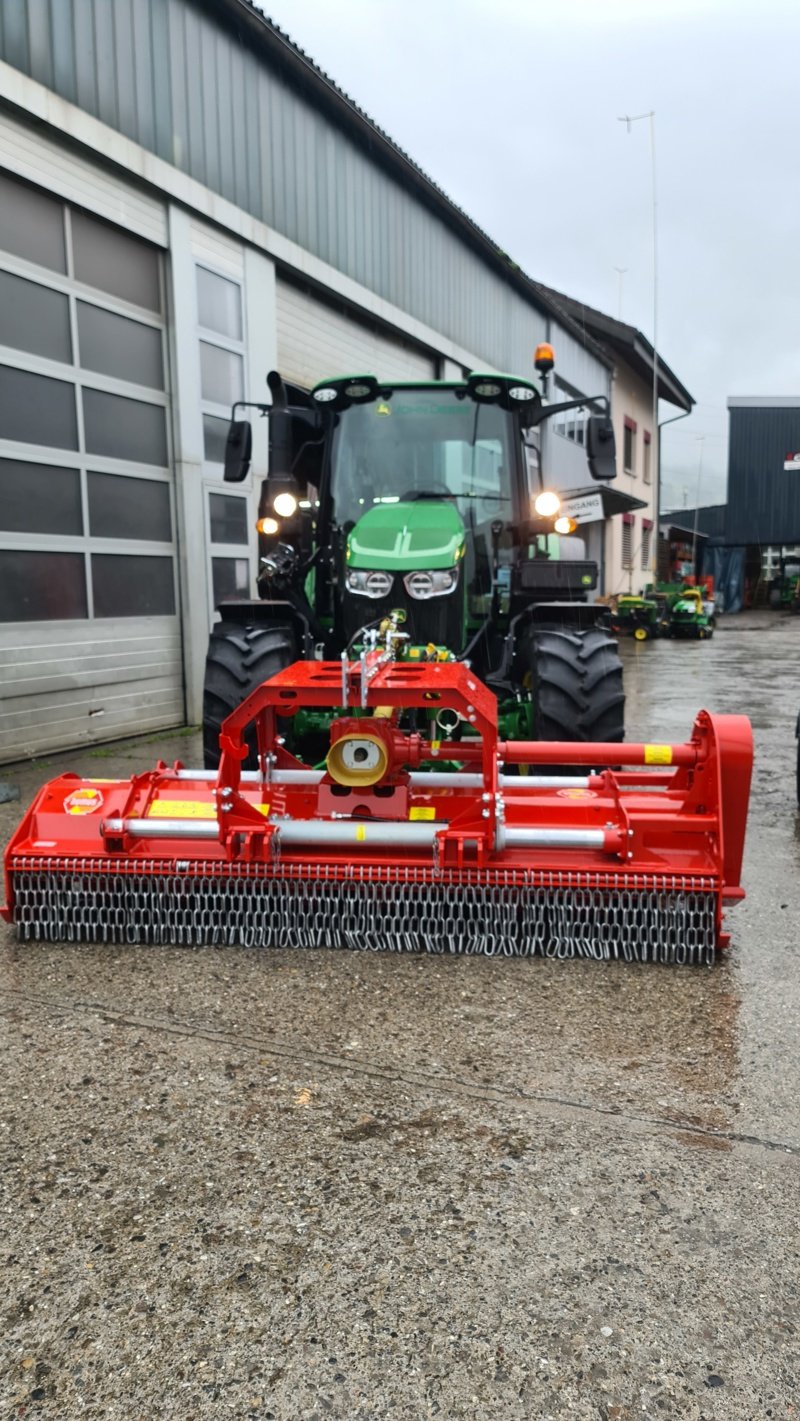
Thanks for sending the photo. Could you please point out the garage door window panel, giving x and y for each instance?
(121, 507)
(221, 374)
(37, 410)
(31, 225)
(34, 318)
(219, 304)
(228, 519)
(40, 498)
(119, 428)
(132, 586)
(110, 260)
(42, 586)
(119, 347)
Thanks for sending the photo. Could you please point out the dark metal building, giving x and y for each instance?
(763, 478)
(741, 543)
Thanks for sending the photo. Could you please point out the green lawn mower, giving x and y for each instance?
(640, 617)
(690, 617)
(784, 592)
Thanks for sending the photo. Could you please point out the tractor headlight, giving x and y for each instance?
(422, 585)
(369, 584)
(285, 504)
(547, 504)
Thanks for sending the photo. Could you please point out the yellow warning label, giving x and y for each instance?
(181, 809)
(422, 811)
(436, 746)
(361, 832)
(189, 809)
(658, 754)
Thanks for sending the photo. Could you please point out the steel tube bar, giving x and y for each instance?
(361, 831)
(341, 832)
(418, 779)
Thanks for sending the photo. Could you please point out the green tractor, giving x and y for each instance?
(420, 507)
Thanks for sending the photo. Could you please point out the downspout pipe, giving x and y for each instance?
(672, 420)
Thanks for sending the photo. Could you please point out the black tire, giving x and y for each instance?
(576, 680)
(239, 659)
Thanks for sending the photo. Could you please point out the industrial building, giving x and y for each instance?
(743, 542)
(187, 201)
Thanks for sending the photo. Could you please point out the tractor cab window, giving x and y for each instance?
(427, 444)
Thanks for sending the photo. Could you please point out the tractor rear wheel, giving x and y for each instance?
(576, 682)
(239, 658)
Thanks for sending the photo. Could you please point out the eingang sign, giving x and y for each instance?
(588, 508)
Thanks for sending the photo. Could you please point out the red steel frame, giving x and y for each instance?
(676, 811)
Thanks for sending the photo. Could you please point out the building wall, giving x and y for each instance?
(630, 546)
(117, 85)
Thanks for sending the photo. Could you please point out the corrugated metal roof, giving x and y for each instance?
(628, 341)
(383, 147)
(711, 520)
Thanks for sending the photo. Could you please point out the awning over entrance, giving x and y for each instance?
(597, 502)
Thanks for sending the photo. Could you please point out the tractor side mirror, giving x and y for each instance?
(601, 447)
(238, 450)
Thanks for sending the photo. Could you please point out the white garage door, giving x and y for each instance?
(316, 340)
(90, 643)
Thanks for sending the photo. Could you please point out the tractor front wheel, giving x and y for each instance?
(239, 658)
(576, 684)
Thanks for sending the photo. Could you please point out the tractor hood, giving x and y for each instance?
(427, 534)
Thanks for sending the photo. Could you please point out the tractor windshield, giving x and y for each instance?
(419, 444)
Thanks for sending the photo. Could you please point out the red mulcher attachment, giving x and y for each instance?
(402, 842)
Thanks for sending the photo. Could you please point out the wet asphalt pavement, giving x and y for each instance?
(309, 1185)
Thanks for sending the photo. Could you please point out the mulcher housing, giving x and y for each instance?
(399, 842)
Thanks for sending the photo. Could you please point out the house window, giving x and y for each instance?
(629, 446)
(647, 533)
(646, 464)
(627, 540)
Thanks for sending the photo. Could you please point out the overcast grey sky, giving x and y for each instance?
(511, 106)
